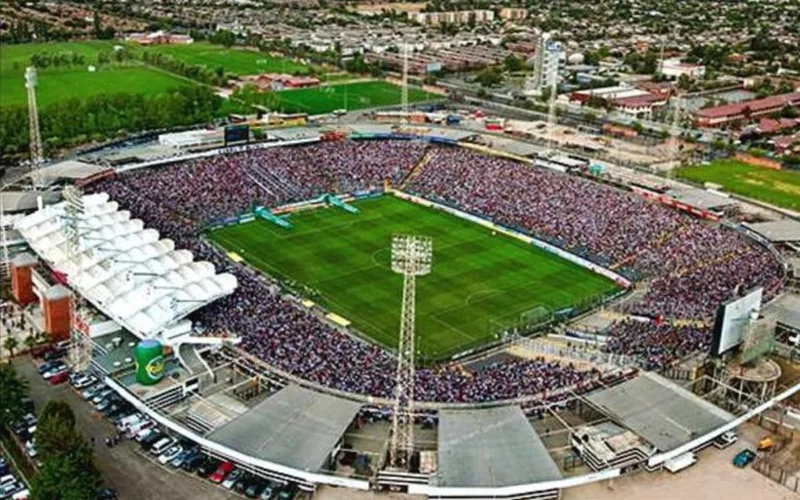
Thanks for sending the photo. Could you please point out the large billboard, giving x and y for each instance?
(235, 134)
(733, 318)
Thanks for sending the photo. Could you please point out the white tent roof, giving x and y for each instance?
(123, 268)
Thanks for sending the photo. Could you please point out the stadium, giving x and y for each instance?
(566, 329)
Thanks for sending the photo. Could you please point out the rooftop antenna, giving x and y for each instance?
(411, 257)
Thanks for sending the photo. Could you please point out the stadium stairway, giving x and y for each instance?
(418, 168)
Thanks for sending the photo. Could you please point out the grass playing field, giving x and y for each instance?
(61, 83)
(479, 280)
(359, 95)
(236, 61)
(777, 187)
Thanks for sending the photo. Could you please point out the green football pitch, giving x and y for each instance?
(480, 280)
(778, 187)
(350, 96)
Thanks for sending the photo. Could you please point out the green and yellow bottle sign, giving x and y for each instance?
(149, 356)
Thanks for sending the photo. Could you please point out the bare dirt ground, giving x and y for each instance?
(713, 476)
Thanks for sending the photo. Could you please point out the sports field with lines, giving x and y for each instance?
(480, 280)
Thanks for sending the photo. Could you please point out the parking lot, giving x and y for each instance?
(124, 467)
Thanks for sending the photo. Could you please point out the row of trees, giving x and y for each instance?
(74, 121)
(56, 59)
(216, 76)
(68, 470)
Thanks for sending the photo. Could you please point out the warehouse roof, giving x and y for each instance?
(660, 411)
(699, 198)
(295, 427)
(491, 448)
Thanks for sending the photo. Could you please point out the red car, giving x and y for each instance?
(59, 378)
(222, 471)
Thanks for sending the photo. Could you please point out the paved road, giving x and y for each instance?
(123, 467)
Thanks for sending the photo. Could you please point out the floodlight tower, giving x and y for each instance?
(404, 88)
(80, 347)
(411, 257)
(35, 146)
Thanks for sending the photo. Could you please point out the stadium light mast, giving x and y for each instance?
(411, 256)
(80, 347)
(35, 146)
(404, 88)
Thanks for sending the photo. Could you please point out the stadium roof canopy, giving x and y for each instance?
(491, 448)
(660, 411)
(700, 198)
(295, 427)
(787, 310)
(22, 201)
(778, 231)
(68, 169)
(140, 281)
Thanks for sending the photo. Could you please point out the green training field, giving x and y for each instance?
(360, 95)
(61, 83)
(236, 61)
(480, 281)
(778, 187)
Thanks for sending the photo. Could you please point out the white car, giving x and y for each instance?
(234, 476)
(171, 453)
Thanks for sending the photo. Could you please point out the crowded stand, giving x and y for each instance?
(657, 344)
(694, 266)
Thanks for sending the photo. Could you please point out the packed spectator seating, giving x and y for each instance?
(693, 266)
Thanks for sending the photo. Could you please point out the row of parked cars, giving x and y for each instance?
(11, 488)
(186, 455)
(172, 452)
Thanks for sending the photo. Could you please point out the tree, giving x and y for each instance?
(489, 77)
(13, 391)
(513, 63)
(30, 342)
(69, 476)
(68, 471)
(11, 344)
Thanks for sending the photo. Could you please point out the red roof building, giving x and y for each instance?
(728, 114)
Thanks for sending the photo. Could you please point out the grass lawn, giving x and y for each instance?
(479, 280)
(777, 187)
(316, 101)
(236, 61)
(59, 83)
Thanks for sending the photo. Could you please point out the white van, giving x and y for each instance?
(680, 462)
(129, 421)
(162, 445)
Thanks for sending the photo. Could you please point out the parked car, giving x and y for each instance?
(47, 366)
(101, 395)
(207, 467)
(56, 370)
(743, 458)
(286, 493)
(194, 463)
(242, 483)
(92, 391)
(106, 494)
(268, 491)
(162, 445)
(184, 456)
(254, 488)
(221, 473)
(169, 455)
(85, 381)
(55, 354)
(152, 437)
(232, 478)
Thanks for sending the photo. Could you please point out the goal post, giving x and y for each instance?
(522, 324)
